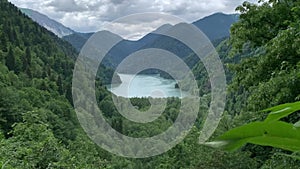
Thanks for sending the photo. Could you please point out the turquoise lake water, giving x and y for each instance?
(145, 86)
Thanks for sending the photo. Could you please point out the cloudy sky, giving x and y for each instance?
(91, 15)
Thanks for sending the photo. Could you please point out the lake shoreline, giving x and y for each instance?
(145, 85)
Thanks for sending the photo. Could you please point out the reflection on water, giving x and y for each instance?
(145, 86)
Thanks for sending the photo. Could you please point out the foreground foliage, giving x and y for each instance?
(39, 128)
(270, 132)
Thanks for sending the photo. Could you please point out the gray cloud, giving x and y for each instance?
(117, 1)
(91, 15)
(135, 26)
(66, 6)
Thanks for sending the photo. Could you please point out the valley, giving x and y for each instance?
(42, 126)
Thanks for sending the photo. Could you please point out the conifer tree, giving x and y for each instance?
(10, 60)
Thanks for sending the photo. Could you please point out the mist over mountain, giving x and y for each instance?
(57, 28)
(216, 27)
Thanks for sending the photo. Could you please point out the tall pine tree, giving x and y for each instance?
(10, 60)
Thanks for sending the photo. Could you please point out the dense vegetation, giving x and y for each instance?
(39, 128)
(270, 132)
(267, 37)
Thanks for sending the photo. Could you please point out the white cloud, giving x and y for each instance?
(67, 6)
(135, 26)
(91, 15)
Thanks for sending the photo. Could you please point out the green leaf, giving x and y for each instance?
(237, 137)
(227, 145)
(281, 111)
(277, 134)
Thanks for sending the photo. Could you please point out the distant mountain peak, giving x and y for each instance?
(108, 33)
(219, 14)
(217, 25)
(57, 28)
(162, 29)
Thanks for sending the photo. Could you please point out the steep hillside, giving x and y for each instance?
(77, 39)
(57, 28)
(38, 125)
(217, 26)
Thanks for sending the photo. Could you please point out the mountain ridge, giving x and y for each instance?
(50, 24)
(212, 26)
(216, 27)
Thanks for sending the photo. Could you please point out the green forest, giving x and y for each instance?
(260, 127)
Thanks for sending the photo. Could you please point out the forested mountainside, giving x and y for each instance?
(216, 27)
(39, 128)
(78, 39)
(38, 125)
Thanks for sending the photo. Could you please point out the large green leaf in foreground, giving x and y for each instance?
(270, 132)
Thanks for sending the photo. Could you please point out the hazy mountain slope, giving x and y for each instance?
(78, 39)
(57, 28)
(217, 26)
